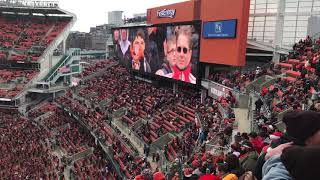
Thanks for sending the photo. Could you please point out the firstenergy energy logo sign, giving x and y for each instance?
(166, 13)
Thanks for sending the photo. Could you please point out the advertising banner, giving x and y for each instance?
(216, 90)
(220, 29)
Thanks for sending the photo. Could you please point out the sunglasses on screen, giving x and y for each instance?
(185, 50)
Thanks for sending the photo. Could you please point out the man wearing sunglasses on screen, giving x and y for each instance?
(182, 69)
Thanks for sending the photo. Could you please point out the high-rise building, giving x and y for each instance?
(115, 17)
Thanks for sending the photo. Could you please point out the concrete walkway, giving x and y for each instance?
(242, 119)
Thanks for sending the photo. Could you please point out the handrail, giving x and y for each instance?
(222, 111)
(55, 69)
(233, 90)
(107, 150)
(265, 106)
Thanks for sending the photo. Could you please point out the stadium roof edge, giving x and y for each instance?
(264, 46)
(38, 10)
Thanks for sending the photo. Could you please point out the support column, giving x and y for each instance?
(203, 95)
(50, 61)
(64, 47)
(279, 30)
(207, 72)
(175, 87)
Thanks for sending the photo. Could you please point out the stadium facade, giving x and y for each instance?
(282, 22)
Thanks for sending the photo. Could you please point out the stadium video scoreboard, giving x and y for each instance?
(169, 50)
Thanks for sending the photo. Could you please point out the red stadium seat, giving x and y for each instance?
(294, 74)
(285, 65)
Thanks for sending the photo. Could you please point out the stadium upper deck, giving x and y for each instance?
(30, 32)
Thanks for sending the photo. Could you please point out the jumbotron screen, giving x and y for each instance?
(170, 51)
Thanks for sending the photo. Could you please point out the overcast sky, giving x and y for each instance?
(95, 12)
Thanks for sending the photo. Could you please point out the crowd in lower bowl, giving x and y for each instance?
(202, 140)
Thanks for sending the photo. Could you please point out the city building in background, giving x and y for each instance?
(115, 17)
(100, 35)
(100, 38)
(283, 22)
(137, 20)
(80, 40)
(96, 39)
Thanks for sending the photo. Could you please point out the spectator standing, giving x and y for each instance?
(258, 104)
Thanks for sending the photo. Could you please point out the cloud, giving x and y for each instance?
(95, 12)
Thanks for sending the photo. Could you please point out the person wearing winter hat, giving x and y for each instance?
(209, 177)
(303, 127)
(139, 177)
(276, 135)
(249, 157)
(147, 174)
(158, 176)
(195, 164)
(223, 172)
(187, 172)
(261, 160)
(188, 175)
(234, 165)
(256, 141)
(302, 162)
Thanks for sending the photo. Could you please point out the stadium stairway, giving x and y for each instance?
(61, 69)
(134, 140)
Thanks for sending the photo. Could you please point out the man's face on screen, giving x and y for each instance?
(138, 46)
(184, 52)
(123, 34)
(172, 53)
(116, 35)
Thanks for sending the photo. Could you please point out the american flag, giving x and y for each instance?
(64, 69)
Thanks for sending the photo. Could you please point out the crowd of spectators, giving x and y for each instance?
(269, 153)
(300, 89)
(128, 162)
(23, 39)
(22, 152)
(41, 109)
(201, 132)
(95, 65)
(162, 111)
(12, 82)
(71, 138)
(239, 80)
(28, 36)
